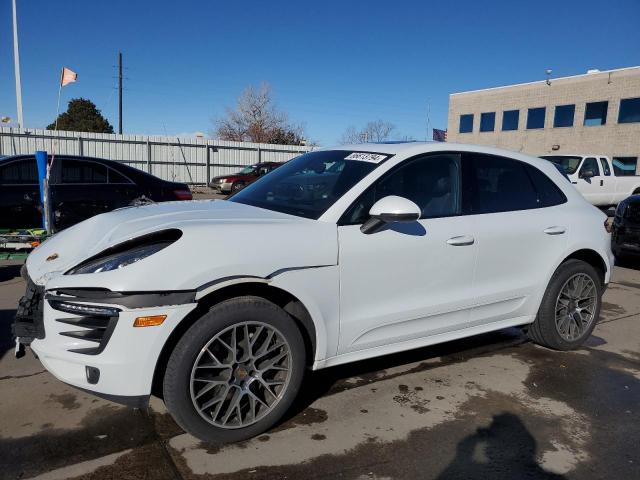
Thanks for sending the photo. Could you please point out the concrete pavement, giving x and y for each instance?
(494, 406)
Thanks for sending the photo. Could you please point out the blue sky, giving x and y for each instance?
(331, 64)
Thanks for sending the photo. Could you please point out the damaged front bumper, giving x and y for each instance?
(86, 338)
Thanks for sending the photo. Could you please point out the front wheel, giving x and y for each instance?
(236, 371)
(570, 307)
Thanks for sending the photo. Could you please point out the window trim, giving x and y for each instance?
(341, 220)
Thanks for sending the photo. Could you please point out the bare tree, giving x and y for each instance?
(257, 119)
(376, 131)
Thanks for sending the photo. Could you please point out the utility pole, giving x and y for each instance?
(16, 60)
(119, 92)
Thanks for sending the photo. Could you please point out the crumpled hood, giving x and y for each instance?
(220, 239)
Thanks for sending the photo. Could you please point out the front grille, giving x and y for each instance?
(29, 321)
(96, 324)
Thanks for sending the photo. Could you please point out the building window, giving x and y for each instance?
(535, 118)
(466, 123)
(629, 110)
(510, 120)
(624, 166)
(564, 116)
(596, 113)
(487, 121)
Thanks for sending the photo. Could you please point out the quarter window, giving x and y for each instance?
(466, 123)
(21, 172)
(510, 120)
(549, 194)
(596, 113)
(605, 167)
(497, 184)
(564, 116)
(629, 110)
(535, 118)
(117, 177)
(78, 171)
(431, 182)
(589, 164)
(487, 121)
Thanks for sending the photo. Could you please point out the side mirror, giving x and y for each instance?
(391, 209)
(587, 174)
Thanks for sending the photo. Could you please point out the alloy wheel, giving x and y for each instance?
(576, 306)
(240, 375)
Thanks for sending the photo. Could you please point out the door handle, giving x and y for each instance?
(555, 230)
(461, 241)
(601, 183)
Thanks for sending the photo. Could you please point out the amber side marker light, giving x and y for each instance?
(150, 321)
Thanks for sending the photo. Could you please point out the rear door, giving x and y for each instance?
(520, 227)
(19, 194)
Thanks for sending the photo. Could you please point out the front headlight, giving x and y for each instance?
(119, 260)
(127, 253)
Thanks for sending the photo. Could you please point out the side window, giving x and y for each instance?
(549, 194)
(117, 177)
(431, 182)
(497, 184)
(79, 171)
(590, 164)
(20, 172)
(605, 167)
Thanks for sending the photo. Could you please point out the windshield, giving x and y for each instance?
(569, 163)
(246, 170)
(309, 184)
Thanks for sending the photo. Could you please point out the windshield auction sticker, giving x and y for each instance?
(366, 157)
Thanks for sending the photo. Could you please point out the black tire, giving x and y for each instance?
(236, 187)
(543, 330)
(176, 385)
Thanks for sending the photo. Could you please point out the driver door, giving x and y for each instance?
(591, 188)
(408, 281)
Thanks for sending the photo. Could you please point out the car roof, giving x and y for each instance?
(408, 149)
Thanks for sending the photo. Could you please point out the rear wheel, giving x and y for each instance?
(236, 371)
(570, 307)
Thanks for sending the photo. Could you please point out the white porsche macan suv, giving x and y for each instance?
(339, 255)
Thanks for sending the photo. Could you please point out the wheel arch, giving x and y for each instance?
(287, 301)
(591, 257)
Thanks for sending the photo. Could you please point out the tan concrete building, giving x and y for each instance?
(597, 112)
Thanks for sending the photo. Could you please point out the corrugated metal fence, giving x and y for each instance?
(190, 160)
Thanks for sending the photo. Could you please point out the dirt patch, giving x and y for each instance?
(69, 401)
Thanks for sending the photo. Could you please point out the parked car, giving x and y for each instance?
(625, 229)
(237, 181)
(596, 178)
(80, 187)
(405, 245)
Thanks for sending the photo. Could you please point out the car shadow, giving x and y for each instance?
(6, 336)
(9, 272)
(504, 450)
(319, 383)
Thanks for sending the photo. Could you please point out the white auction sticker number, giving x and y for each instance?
(366, 157)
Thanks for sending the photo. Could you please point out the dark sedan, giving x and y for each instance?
(237, 181)
(80, 187)
(625, 231)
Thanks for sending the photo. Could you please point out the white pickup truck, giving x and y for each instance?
(596, 178)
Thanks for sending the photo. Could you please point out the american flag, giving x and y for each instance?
(439, 135)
